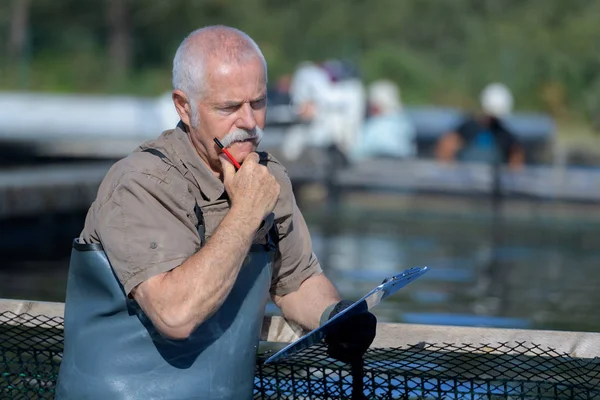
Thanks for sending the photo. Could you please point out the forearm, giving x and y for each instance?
(517, 158)
(447, 147)
(306, 305)
(189, 294)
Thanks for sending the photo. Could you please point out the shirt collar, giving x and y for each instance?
(210, 186)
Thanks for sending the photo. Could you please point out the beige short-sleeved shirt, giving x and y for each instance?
(145, 215)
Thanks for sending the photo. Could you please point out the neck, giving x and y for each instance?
(203, 153)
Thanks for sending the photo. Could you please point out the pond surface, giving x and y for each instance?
(526, 272)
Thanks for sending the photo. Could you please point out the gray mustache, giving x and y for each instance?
(240, 135)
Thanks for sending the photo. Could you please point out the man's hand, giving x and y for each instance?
(253, 191)
(349, 339)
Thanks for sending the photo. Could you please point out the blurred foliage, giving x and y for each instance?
(439, 51)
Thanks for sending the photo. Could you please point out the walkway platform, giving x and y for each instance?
(52, 188)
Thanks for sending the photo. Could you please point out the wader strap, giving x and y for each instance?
(157, 153)
(263, 157)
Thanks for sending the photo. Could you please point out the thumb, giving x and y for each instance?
(228, 169)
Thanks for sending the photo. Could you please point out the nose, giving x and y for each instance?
(246, 118)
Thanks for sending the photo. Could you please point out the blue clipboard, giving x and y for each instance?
(388, 287)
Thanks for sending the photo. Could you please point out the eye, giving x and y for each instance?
(258, 104)
(229, 109)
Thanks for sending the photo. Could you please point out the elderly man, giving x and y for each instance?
(169, 279)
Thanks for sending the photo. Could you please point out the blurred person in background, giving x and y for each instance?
(329, 99)
(346, 112)
(170, 276)
(388, 131)
(310, 92)
(484, 137)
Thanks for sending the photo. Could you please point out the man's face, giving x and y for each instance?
(233, 109)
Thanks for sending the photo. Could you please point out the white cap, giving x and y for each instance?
(309, 83)
(385, 95)
(496, 100)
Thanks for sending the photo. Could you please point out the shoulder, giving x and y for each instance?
(275, 167)
(502, 126)
(505, 133)
(467, 125)
(467, 121)
(136, 187)
(140, 172)
(285, 204)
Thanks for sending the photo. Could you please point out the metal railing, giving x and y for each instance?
(404, 362)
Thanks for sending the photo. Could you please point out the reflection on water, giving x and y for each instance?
(516, 273)
(484, 272)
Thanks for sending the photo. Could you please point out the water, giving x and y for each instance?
(524, 270)
(529, 268)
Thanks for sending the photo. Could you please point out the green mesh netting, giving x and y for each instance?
(31, 346)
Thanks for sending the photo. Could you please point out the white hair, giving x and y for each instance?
(229, 44)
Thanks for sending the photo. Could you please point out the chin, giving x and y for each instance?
(241, 150)
(241, 156)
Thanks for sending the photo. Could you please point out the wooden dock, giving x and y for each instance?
(49, 188)
(56, 188)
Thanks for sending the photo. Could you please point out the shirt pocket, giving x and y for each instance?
(212, 216)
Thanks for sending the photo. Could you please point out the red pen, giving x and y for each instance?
(227, 153)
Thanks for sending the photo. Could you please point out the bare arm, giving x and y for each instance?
(517, 158)
(181, 299)
(305, 305)
(447, 147)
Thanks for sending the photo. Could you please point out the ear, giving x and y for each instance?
(182, 105)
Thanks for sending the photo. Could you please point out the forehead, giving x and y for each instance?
(234, 81)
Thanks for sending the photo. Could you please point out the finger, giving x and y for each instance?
(251, 158)
(228, 169)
